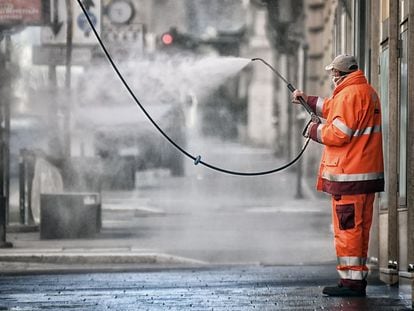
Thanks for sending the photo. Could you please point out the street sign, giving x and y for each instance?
(56, 55)
(56, 32)
(82, 32)
(17, 12)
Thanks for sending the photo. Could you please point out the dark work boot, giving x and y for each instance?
(347, 288)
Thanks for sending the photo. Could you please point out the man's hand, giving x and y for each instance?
(298, 93)
(308, 127)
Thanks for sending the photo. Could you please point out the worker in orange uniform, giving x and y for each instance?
(351, 168)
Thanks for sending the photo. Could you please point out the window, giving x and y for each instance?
(344, 28)
(384, 74)
(403, 10)
(361, 33)
(385, 13)
(403, 122)
(385, 10)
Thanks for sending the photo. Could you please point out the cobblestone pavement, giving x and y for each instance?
(213, 288)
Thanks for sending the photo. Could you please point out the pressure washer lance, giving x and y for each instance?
(314, 117)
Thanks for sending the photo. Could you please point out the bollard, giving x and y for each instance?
(22, 187)
(70, 215)
(3, 242)
(26, 174)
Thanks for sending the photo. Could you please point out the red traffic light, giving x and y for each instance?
(167, 38)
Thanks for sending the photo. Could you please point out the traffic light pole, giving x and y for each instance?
(68, 80)
(4, 104)
(300, 121)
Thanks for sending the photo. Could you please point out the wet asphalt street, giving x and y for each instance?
(219, 288)
(222, 219)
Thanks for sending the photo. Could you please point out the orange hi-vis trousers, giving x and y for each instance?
(352, 219)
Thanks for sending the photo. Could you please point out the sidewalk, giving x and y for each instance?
(30, 254)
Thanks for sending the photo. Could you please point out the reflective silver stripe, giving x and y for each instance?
(319, 106)
(352, 274)
(348, 131)
(319, 133)
(352, 177)
(342, 126)
(368, 130)
(351, 261)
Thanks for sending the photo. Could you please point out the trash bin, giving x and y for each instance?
(70, 215)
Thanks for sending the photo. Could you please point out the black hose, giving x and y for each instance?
(197, 159)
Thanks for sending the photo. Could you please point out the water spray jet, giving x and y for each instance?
(197, 159)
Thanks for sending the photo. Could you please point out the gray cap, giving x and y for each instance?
(344, 63)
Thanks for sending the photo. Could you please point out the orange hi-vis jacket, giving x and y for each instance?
(352, 160)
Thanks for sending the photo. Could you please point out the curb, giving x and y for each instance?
(98, 258)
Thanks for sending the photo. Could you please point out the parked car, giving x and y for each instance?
(109, 126)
